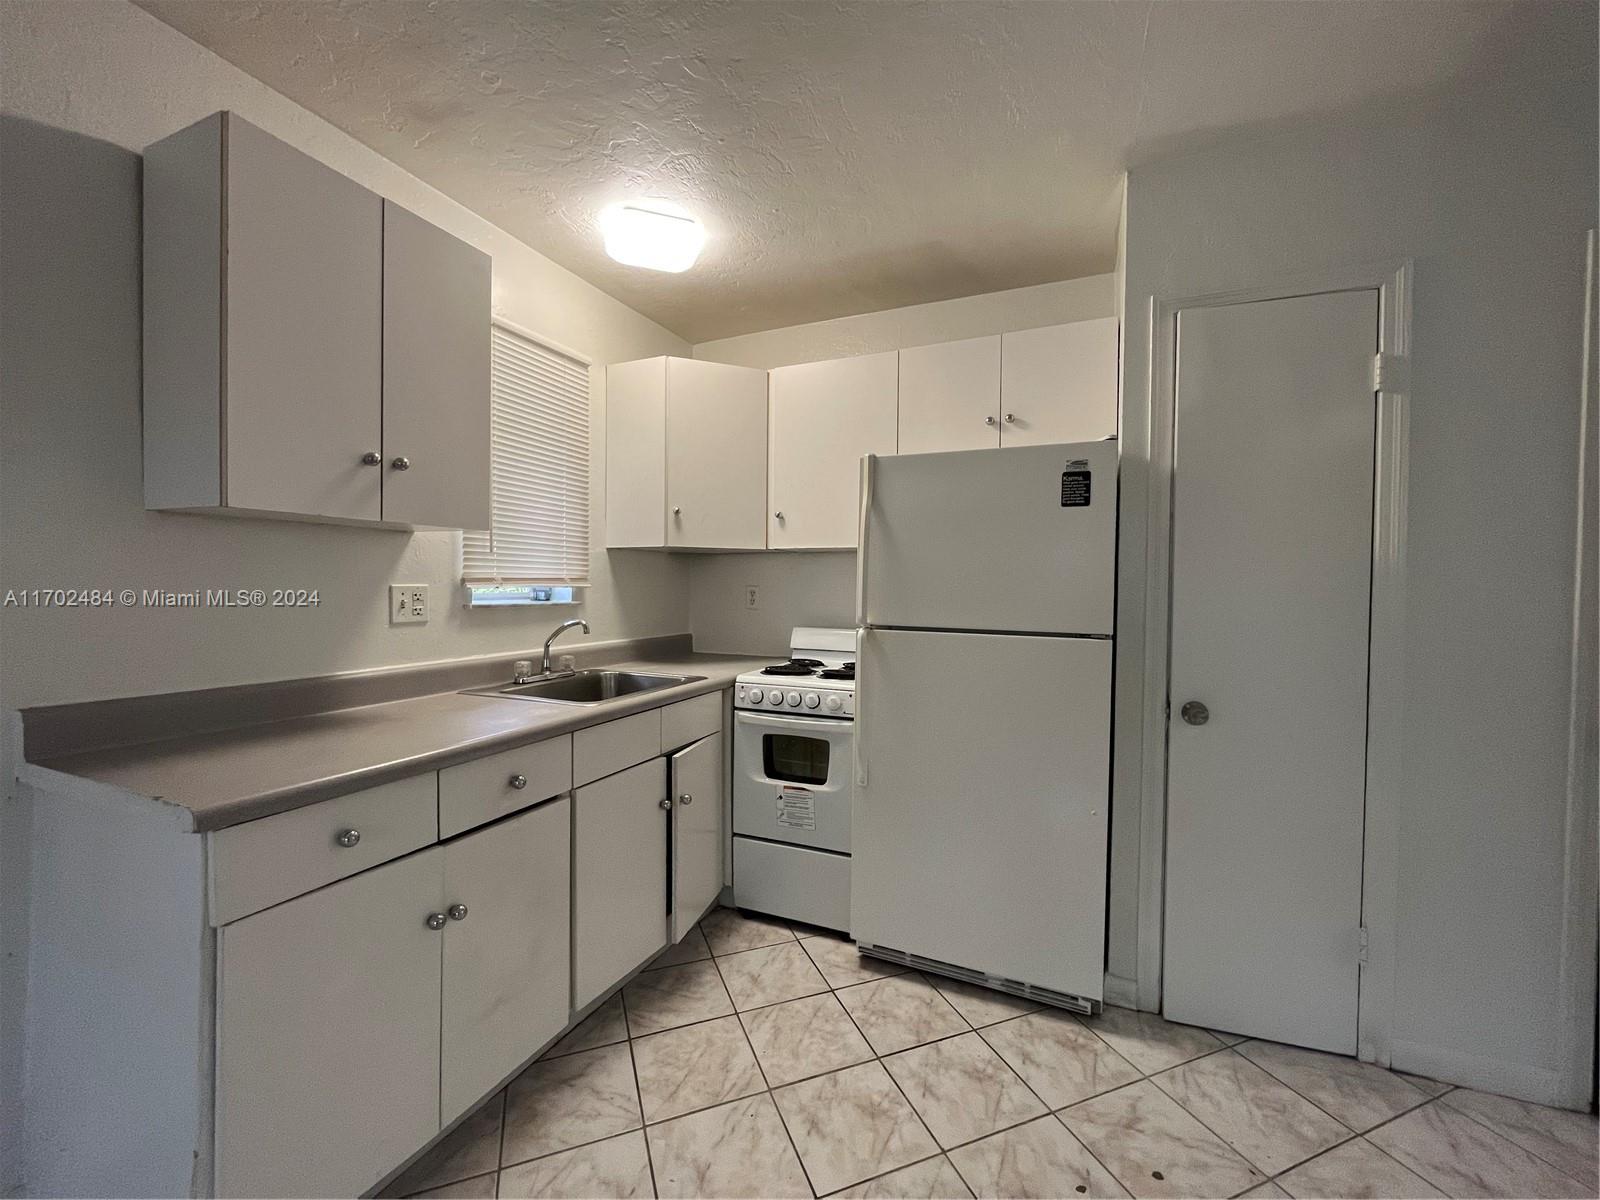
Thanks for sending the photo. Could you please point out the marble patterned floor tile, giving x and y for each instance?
(981, 1005)
(479, 1187)
(1466, 1159)
(1226, 1038)
(1359, 1094)
(674, 996)
(851, 1126)
(1357, 1170)
(930, 1179)
(729, 931)
(900, 1012)
(562, 1102)
(770, 975)
(842, 964)
(692, 949)
(1155, 1148)
(694, 1066)
(1267, 1191)
(733, 1150)
(617, 1168)
(1569, 1141)
(1270, 1124)
(805, 1037)
(1149, 1041)
(962, 1089)
(1039, 1160)
(1432, 1087)
(471, 1148)
(605, 1026)
(1058, 1058)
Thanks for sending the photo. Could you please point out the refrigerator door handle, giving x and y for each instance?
(858, 741)
(868, 462)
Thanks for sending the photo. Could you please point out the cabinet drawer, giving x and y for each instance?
(615, 746)
(261, 863)
(485, 789)
(690, 720)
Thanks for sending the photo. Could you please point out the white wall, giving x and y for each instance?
(819, 588)
(1490, 193)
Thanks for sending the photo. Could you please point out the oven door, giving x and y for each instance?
(792, 779)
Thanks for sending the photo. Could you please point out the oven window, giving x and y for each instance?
(795, 758)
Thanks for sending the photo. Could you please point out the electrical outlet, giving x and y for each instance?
(752, 596)
(408, 603)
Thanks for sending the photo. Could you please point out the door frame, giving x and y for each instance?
(1394, 284)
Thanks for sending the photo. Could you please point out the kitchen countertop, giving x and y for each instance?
(236, 775)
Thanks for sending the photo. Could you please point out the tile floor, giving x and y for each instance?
(756, 1059)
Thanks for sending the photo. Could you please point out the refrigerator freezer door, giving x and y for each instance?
(1020, 539)
(980, 833)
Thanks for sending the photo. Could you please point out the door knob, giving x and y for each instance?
(458, 912)
(401, 464)
(371, 458)
(989, 421)
(676, 511)
(686, 799)
(666, 802)
(779, 514)
(436, 921)
(1194, 713)
(1011, 418)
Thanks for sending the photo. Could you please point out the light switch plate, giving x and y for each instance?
(408, 603)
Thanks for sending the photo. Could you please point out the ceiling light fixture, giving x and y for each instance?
(652, 233)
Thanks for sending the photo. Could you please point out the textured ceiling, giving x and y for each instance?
(845, 156)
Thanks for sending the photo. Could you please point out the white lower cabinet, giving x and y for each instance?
(619, 874)
(507, 950)
(699, 772)
(328, 1034)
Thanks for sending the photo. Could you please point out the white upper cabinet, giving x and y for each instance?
(686, 455)
(294, 355)
(1059, 383)
(824, 417)
(950, 396)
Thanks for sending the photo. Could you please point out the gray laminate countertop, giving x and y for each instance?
(237, 775)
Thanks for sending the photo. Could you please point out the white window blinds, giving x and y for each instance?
(539, 468)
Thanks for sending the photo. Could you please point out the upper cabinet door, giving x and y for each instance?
(435, 375)
(636, 453)
(950, 396)
(698, 798)
(303, 296)
(716, 455)
(824, 417)
(1059, 384)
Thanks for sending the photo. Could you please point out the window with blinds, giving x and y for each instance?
(539, 470)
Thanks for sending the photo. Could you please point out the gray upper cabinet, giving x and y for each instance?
(302, 338)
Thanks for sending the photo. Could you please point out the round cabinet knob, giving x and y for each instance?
(436, 920)
(458, 912)
(989, 421)
(812, 700)
(666, 802)
(686, 798)
(1011, 418)
(779, 515)
(518, 781)
(1194, 713)
(835, 704)
(792, 699)
(348, 838)
(401, 464)
(371, 458)
(758, 696)
(774, 697)
(676, 511)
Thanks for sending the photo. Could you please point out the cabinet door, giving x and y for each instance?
(698, 781)
(328, 1035)
(619, 874)
(506, 957)
(1059, 384)
(950, 396)
(716, 455)
(636, 460)
(304, 295)
(824, 417)
(435, 375)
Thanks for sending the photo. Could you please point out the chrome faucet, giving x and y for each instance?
(544, 666)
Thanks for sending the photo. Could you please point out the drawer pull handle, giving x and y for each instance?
(519, 782)
(458, 912)
(436, 921)
(686, 798)
(348, 837)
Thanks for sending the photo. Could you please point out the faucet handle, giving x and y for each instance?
(522, 670)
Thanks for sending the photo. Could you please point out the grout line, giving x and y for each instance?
(1501, 1134)
(638, 1095)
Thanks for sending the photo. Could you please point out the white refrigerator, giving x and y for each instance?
(985, 596)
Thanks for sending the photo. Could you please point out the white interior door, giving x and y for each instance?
(1271, 579)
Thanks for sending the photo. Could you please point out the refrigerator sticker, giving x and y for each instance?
(797, 808)
(1075, 484)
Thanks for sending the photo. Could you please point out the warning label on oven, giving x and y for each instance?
(797, 808)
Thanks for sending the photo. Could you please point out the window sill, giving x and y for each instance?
(529, 595)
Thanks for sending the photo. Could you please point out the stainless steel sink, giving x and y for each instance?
(587, 687)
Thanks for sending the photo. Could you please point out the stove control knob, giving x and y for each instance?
(741, 691)
(757, 696)
(793, 699)
(812, 699)
(774, 697)
(835, 704)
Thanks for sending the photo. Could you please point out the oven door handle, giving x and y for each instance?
(811, 725)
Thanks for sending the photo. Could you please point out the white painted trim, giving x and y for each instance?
(1502, 1076)
(1120, 991)
(1380, 881)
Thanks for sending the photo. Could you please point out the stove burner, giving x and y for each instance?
(795, 666)
(845, 671)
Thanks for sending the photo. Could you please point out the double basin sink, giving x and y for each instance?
(586, 687)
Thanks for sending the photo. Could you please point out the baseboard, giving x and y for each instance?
(1535, 1084)
(1122, 992)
